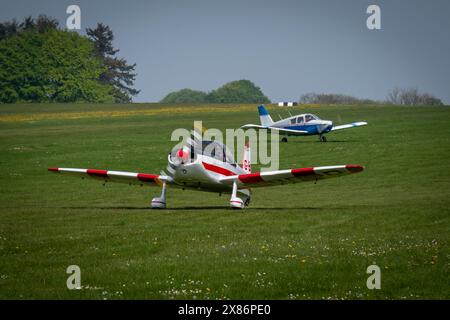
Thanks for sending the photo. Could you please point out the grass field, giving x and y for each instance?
(303, 241)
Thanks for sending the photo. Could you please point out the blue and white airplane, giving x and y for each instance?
(300, 125)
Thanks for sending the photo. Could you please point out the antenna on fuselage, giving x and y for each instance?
(280, 117)
(289, 113)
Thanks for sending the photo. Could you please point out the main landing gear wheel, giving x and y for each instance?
(160, 202)
(235, 201)
(284, 139)
(322, 139)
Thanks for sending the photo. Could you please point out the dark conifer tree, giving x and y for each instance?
(119, 73)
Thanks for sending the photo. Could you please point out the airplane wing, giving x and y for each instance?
(280, 130)
(274, 178)
(350, 125)
(116, 176)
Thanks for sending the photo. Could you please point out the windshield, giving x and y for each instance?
(217, 150)
(310, 117)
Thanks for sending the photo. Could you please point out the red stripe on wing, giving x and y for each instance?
(354, 169)
(97, 173)
(250, 178)
(303, 172)
(53, 169)
(144, 177)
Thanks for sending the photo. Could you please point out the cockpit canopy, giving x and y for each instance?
(209, 148)
(304, 118)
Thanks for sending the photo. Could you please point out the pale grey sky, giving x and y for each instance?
(286, 47)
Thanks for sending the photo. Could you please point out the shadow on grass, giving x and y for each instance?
(317, 141)
(198, 208)
(107, 208)
(192, 208)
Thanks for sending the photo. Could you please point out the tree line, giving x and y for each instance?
(397, 96)
(245, 91)
(42, 62)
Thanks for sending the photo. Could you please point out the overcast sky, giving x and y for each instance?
(287, 48)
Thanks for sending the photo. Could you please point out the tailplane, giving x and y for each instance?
(264, 116)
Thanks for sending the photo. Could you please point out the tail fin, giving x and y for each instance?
(264, 117)
(246, 163)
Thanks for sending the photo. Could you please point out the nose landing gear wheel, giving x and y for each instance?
(284, 139)
(322, 138)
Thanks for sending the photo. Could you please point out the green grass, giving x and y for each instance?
(303, 241)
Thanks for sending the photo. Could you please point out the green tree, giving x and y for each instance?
(49, 65)
(42, 24)
(185, 96)
(241, 91)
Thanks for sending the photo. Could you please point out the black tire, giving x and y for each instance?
(284, 139)
(323, 139)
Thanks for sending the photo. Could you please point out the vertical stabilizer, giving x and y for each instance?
(246, 161)
(264, 117)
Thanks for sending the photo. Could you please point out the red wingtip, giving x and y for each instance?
(53, 169)
(354, 168)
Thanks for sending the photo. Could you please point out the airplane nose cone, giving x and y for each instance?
(182, 154)
(329, 125)
(325, 126)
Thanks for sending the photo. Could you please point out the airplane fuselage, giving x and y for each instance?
(203, 174)
(298, 122)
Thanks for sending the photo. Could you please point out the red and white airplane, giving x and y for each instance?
(209, 166)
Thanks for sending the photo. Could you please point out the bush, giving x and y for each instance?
(185, 96)
(241, 91)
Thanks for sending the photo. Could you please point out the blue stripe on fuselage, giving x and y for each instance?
(312, 129)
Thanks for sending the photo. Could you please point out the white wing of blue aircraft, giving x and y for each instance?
(300, 125)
